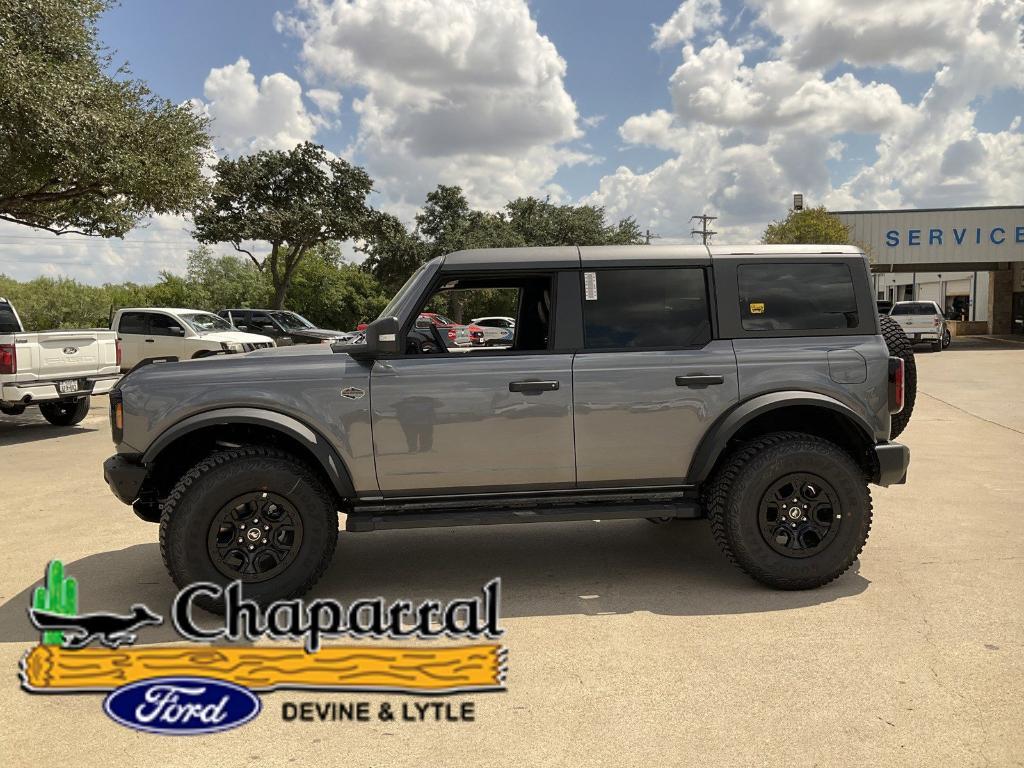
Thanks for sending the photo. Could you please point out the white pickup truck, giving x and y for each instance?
(922, 321)
(56, 370)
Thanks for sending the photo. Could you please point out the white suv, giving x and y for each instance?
(184, 334)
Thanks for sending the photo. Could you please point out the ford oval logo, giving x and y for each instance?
(70, 350)
(182, 705)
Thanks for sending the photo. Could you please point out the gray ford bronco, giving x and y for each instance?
(748, 385)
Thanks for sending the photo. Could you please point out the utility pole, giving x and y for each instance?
(704, 232)
(648, 235)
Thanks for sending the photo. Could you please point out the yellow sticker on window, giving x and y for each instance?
(756, 308)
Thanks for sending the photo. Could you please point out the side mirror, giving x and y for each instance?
(382, 340)
(177, 330)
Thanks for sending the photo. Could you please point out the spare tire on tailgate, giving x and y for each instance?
(899, 346)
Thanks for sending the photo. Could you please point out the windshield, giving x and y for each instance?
(204, 322)
(392, 306)
(292, 321)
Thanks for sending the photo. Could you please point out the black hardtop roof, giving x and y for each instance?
(570, 256)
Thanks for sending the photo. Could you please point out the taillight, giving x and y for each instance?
(897, 384)
(451, 335)
(116, 416)
(117, 351)
(8, 358)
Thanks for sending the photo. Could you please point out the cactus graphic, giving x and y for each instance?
(59, 595)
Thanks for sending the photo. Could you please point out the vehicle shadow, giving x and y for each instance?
(556, 569)
(15, 430)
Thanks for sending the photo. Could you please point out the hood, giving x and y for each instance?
(237, 337)
(319, 333)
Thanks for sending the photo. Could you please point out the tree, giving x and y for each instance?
(811, 226)
(540, 222)
(392, 252)
(82, 150)
(294, 200)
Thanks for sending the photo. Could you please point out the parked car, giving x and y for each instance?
(161, 332)
(922, 321)
(54, 370)
(644, 382)
(284, 327)
(497, 331)
(455, 334)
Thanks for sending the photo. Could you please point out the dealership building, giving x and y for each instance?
(970, 261)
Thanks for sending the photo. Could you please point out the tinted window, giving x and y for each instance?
(645, 308)
(8, 322)
(162, 325)
(797, 297)
(133, 322)
(915, 308)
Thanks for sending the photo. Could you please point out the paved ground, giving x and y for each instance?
(630, 644)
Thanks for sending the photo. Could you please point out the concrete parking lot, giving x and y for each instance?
(629, 643)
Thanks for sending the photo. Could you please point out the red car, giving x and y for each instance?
(474, 333)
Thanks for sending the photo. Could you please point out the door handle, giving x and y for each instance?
(150, 341)
(698, 380)
(532, 387)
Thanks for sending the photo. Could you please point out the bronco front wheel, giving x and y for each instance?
(256, 515)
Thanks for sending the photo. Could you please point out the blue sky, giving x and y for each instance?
(657, 110)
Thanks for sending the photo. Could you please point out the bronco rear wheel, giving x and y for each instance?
(792, 510)
(256, 515)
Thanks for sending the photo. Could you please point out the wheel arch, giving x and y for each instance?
(808, 412)
(201, 432)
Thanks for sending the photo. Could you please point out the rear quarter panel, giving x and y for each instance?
(851, 369)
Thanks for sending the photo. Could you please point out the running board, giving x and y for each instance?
(560, 513)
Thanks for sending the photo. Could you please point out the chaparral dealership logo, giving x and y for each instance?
(200, 688)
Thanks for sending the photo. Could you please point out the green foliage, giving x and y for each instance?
(294, 201)
(811, 226)
(447, 223)
(59, 595)
(83, 150)
(325, 289)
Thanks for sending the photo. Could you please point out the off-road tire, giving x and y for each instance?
(899, 346)
(65, 413)
(734, 494)
(202, 492)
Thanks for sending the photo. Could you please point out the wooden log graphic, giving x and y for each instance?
(52, 669)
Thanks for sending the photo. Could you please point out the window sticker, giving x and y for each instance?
(590, 286)
(757, 308)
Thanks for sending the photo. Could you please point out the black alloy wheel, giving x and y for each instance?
(254, 537)
(799, 515)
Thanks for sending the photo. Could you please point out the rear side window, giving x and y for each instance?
(915, 308)
(133, 322)
(797, 297)
(656, 308)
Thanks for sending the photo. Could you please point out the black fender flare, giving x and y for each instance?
(728, 424)
(325, 454)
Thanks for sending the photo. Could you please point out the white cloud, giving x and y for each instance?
(465, 92)
(744, 136)
(690, 18)
(249, 116)
(327, 101)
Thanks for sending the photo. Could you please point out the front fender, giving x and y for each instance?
(328, 458)
(730, 423)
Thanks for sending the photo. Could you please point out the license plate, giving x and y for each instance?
(70, 385)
